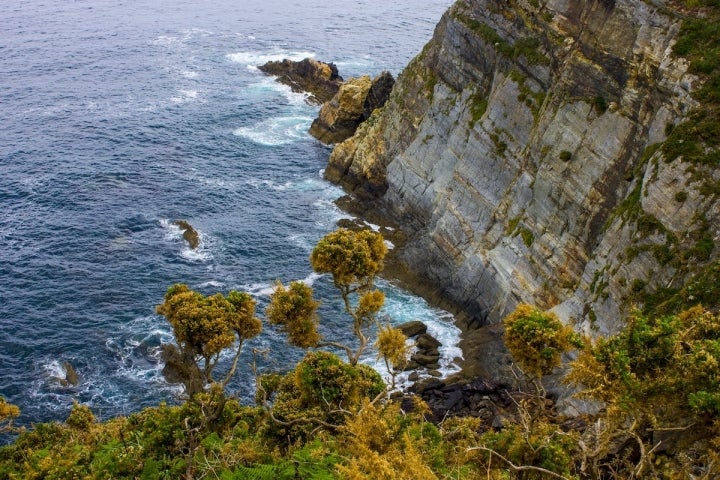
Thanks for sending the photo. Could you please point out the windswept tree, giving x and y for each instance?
(353, 258)
(205, 326)
(323, 391)
(659, 379)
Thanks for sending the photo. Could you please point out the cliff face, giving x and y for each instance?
(523, 153)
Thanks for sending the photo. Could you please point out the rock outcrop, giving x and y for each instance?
(72, 379)
(320, 79)
(529, 154)
(354, 102)
(190, 235)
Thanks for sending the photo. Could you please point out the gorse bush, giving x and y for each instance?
(537, 339)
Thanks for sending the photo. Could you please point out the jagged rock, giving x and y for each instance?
(354, 102)
(320, 79)
(71, 376)
(462, 398)
(412, 328)
(379, 93)
(189, 233)
(411, 365)
(339, 118)
(466, 157)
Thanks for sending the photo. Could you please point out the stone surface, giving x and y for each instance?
(320, 79)
(354, 102)
(519, 174)
(507, 162)
(72, 378)
(412, 328)
(339, 118)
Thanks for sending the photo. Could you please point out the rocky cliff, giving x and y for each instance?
(551, 152)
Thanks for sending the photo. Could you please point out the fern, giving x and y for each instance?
(272, 471)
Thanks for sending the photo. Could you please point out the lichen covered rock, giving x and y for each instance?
(354, 102)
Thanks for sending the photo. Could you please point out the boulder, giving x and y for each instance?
(319, 79)
(427, 342)
(180, 367)
(413, 328)
(425, 360)
(354, 103)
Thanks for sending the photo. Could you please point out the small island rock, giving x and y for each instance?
(320, 79)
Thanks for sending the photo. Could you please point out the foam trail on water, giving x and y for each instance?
(277, 131)
(185, 95)
(267, 289)
(267, 86)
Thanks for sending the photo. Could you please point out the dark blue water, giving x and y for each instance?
(119, 117)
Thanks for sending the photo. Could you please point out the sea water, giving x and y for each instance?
(121, 117)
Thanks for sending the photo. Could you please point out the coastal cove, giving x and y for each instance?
(491, 254)
(121, 120)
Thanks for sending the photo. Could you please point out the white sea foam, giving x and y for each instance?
(190, 74)
(373, 227)
(268, 184)
(55, 371)
(174, 233)
(211, 283)
(185, 96)
(265, 289)
(310, 279)
(200, 254)
(277, 131)
(257, 58)
(401, 306)
(267, 86)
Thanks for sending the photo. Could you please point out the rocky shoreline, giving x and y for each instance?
(481, 388)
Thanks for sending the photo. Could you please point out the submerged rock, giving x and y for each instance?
(320, 79)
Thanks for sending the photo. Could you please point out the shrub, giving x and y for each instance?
(537, 339)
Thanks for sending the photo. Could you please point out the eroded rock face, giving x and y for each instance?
(511, 152)
(320, 79)
(339, 118)
(354, 102)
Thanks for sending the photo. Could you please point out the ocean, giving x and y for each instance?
(120, 117)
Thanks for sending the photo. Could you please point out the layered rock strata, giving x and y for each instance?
(524, 153)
